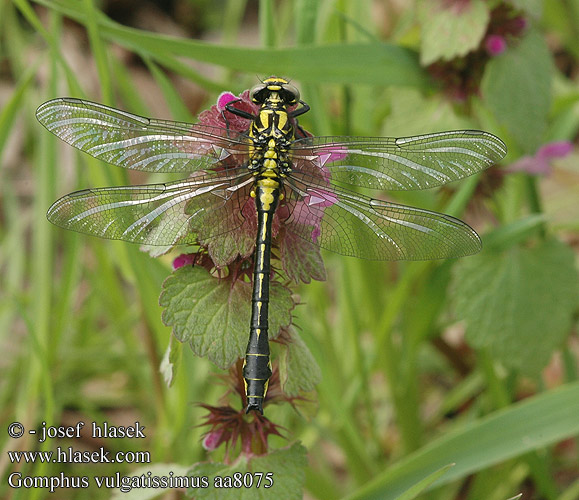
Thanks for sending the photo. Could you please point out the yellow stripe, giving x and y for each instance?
(264, 116)
(266, 197)
(282, 120)
(263, 233)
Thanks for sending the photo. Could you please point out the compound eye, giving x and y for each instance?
(256, 93)
(292, 93)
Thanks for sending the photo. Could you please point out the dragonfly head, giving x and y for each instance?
(286, 92)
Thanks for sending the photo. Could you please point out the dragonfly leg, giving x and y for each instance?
(239, 112)
(300, 132)
(300, 111)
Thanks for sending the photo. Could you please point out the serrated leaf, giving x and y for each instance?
(298, 371)
(301, 260)
(213, 314)
(516, 87)
(451, 30)
(229, 246)
(287, 475)
(518, 304)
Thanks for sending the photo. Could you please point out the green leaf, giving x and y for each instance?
(451, 30)
(13, 105)
(516, 86)
(230, 245)
(213, 314)
(508, 235)
(301, 260)
(528, 425)
(533, 8)
(571, 492)
(412, 113)
(518, 304)
(170, 361)
(284, 482)
(298, 370)
(369, 63)
(419, 487)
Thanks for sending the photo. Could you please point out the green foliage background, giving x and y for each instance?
(472, 363)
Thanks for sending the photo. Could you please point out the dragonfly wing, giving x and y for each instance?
(134, 142)
(359, 226)
(157, 214)
(406, 163)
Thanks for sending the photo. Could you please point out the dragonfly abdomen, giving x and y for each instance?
(257, 366)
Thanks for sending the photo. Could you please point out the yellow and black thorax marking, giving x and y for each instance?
(271, 132)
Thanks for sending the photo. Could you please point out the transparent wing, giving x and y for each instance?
(138, 143)
(158, 214)
(359, 226)
(406, 163)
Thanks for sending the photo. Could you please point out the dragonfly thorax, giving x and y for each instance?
(272, 133)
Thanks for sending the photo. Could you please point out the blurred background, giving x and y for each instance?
(422, 364)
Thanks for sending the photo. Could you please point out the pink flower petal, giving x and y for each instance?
(520, 23)
(331, 154)
(539, 163)
(555, 150)
(531, 165)
(213, 439)
(495, 45)
(315, 234)
(224, 99)
(185, 259)
(320, 198)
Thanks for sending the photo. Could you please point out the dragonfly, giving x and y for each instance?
(273, 171)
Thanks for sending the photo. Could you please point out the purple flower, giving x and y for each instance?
(539, 163)
(215, 117)
(320, 198)
(224, 99)
(495, 44)
(185, 259)
(331, 154)
(310, 210)
(215, 437)
(519, 24)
